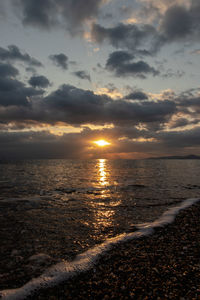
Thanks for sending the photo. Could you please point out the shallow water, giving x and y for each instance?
(64, 207)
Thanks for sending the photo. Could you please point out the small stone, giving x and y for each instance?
(14, 252)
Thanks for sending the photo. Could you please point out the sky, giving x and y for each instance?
(76, 71)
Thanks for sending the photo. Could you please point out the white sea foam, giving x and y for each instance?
(63, 271)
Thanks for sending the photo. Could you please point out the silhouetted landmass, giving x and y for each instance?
(191, 156)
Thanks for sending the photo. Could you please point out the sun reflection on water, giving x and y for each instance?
(102, 172)
(104, 203)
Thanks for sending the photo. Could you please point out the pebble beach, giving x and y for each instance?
(165, 265)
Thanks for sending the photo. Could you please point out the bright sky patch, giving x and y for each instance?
(101, 143)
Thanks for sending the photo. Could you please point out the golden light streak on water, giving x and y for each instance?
(103, 180)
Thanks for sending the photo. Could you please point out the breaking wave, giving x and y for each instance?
(61, 272)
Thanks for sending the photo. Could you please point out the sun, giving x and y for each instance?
(101, 143)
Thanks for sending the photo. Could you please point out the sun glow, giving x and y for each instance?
(101, 143)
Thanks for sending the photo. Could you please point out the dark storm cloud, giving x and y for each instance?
(41, 145)
(119, 57)
(27, 144)
(188, 98)
(39, 81)
(6, 70)
(137, 95)
(60, 60)
(180, 22)
(166, 142)
(82, 75)
(47, 14)
(13, 53)
(189, 106)
(13, 92)
(177, 22)
(182, 122)
(190, 102)
(121, 63)
(144, 40)
(75, 106)
(145, 112)
(38, 13)
(78, 11)
(31, 70)
(186, 138)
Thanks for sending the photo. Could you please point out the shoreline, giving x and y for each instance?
(154, 266)
(165, 265)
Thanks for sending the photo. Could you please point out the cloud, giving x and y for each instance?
(125, 140)
(121, 63)
(138, 126)
(137, 95)
(179, 139)
(42, 144)
(13, 53)
(74, 106)
(49, 14)
(189, 105)
(6, 70)
(39, 81)
(177, 23)
(37, 13)
(110, 90)
(12, 91)
(169, 73)
(2, 10)
(174, 22)
(181, 22)
(77, 106)
(140, 39)
(82, 75)
(60, 60)
(182, 122)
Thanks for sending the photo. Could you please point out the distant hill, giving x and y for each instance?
(191, 156)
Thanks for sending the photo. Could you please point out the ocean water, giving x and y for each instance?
(54, 210)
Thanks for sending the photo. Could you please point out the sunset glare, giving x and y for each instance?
(102, 143)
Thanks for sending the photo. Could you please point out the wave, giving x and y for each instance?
(61, 272)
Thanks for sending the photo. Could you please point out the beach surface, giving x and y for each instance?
(165, 265)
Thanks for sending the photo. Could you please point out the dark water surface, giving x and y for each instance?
(63, 207)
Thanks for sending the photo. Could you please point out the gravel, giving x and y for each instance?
(163, 266)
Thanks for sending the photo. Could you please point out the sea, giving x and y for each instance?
(55, 211)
